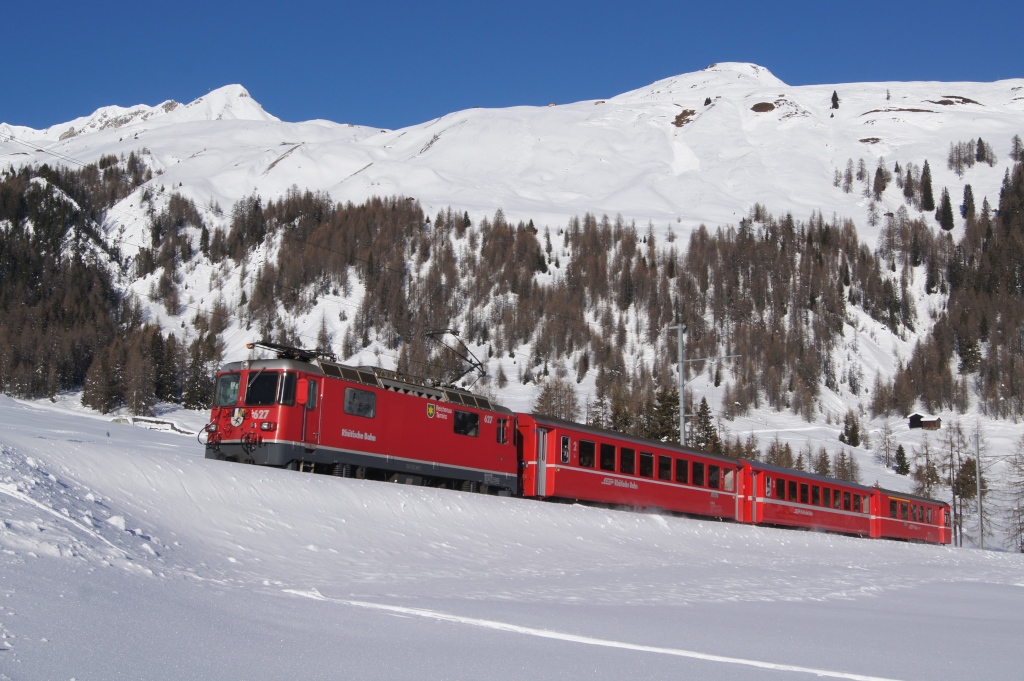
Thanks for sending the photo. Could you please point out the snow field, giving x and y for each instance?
(123, 551)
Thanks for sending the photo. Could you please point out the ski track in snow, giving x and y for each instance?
(586, 640)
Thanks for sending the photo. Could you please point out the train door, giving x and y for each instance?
(308, 395)
(541, 477)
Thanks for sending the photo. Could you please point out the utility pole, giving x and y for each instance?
(680, 328)
(977, 476)
(682, 401)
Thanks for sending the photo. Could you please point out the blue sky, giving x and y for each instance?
(394, 63)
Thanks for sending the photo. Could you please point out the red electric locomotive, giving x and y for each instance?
(306, 413)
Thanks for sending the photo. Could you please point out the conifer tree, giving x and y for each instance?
(944, 213)
(927, 198)
(969, 209)
(902, 465)
(705, 434)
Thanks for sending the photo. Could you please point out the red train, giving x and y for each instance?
(306, 413)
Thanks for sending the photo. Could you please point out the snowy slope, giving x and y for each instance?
(125, 554)
(620, 155)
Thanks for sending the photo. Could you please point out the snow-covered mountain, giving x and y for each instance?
(657, 153)
(697, 148)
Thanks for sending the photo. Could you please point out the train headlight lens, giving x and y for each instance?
(267, 425)
(211, 428)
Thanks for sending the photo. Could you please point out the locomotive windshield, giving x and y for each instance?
(227, 390)
(261, 389)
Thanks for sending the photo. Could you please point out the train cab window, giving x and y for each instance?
(856, 503)
(466, 423)
(767, 486)
(892, 508)
(647, 464)
(826, 497)
(607, 457)
(664, 467)
(627, 461)
(261, 388)
(904, 510)
(803, 492)
(565, 449)
(682, 471)
(846, 501)
(714, 476)
(227, 390)
(698, 474)
(364, 403)
(502, 431)
(928, 512)
(792, 490)
(728, 478)
(815, 495)
(287, 389)
(586, 454)
(311, 393)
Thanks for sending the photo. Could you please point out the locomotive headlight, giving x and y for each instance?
(267, 425)
(211, 428)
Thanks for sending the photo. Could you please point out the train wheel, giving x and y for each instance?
(470, 486)
(342, 470)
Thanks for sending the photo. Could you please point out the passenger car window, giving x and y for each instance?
(803, 492)
(768, 486)
(713, 476)
(607, 457)
(647, 464)
(727, 479)
(586, 454)
(815, 496)
(792, 490)
(565, 449)
(698, 474)
(780, 488)
(929, 509)
(364, 403)
(627, 461)
(892, 508)
(467, 423)
(856, 503)
(664, 467)
(682, 471)
(227, 390)
(826, 497)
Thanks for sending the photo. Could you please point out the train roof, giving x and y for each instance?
(797, 473)
(911, 497)
(293, 359)
(635, 439)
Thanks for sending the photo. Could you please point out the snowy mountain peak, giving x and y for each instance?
(231, 102)
(743, 70)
